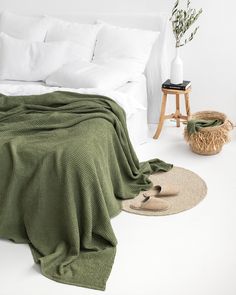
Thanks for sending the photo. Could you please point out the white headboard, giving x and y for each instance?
(135, 20)
(158, 65)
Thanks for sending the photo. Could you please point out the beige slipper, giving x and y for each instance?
(151, 204)
(164, 191)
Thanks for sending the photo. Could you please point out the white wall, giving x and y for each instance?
(210, 60)
(73, 6)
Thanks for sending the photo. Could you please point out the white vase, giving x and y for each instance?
(176, 73)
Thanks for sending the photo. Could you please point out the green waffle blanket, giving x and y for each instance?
(66, 163)
(194, 126)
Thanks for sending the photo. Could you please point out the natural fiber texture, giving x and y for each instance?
(65, 159)
(209, 140)
(192, 190)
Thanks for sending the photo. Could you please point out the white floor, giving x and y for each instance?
(190, 253)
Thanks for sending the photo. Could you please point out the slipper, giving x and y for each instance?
(151, 204)
(163, 191)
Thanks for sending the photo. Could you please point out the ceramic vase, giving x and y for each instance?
(176, 73)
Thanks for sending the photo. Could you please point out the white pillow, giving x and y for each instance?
(81, 74)
(116, 43)
(83, 34)
(32, 61)
(24, 27)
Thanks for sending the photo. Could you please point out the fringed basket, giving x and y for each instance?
(209, 140)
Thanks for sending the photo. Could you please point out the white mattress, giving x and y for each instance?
(137, 122)
(137, 90)
(132, 97)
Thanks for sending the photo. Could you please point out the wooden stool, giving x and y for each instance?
(177, 115)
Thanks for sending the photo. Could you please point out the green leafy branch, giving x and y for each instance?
(182, 20)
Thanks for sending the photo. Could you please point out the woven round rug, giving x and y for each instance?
(193, 189)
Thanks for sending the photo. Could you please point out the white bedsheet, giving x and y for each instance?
(132, 97)
(123, 95)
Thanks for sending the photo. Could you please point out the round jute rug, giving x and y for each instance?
(193, 189)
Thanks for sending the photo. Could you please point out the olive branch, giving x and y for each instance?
(182, 20)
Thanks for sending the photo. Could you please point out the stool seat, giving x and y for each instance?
(177, 115)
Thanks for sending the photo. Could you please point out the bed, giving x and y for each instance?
(66, 153)
(135, 91)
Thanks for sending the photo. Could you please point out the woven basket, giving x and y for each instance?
(209, 140)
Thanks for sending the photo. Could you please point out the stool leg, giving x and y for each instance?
(187, 105)
(177, 113)
(162, 117)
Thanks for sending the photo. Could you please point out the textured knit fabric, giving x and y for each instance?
(66, 160)
(194, 126)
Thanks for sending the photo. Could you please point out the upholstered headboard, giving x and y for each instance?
(158, 65)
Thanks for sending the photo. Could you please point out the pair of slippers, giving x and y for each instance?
(153, 201)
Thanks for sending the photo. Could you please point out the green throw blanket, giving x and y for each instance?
(66, 162)
(194, 126)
